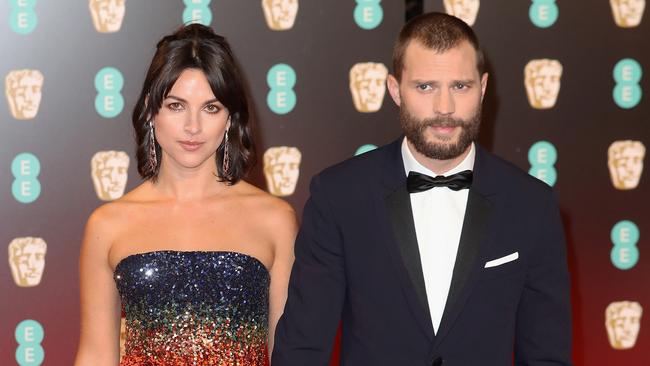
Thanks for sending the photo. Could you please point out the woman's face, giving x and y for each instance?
(191, 123)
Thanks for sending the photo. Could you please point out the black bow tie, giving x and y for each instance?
(417, 182)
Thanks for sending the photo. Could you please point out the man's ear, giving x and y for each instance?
(484, 81)
(393, 89)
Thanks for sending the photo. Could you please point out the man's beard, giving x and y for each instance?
(415, 130)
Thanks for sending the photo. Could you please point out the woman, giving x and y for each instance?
(197, 259)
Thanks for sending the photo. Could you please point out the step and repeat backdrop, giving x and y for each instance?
(565, 102)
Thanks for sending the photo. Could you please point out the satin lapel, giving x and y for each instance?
(402, 245)
(474, 233)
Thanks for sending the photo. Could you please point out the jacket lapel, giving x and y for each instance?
(478, 214)
(402, 244)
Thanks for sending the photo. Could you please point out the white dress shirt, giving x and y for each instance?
(438, 215)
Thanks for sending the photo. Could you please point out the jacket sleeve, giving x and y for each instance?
(543, 330)
(306, 331)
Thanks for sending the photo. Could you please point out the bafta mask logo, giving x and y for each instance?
(27, 260)
(107, 14)
(280, 14)
(467, 10)
(625, 162)
(627, 13)
(623, 322)
(109, 173)
(23, 91)
(368, 86)
(542, 81)
(282, 168)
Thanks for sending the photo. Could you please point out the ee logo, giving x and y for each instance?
(625, 236)
(364, 149)
(627, 74)
(22, 19)
(543, 13)
(542, 157)
(197, 11)
(25, 168)
(281, 98)
(368, 14)
(109, 83)
(29, 335)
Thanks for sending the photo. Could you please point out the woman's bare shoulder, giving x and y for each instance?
(111, 215)
(263, 203)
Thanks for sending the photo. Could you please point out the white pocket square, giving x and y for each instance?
(503, 260)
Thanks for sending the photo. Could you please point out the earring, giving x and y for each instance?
(153, 161)
(226, 158)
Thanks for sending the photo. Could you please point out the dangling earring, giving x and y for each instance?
(226, 158)
(153, 161)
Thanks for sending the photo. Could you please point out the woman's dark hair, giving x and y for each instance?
(196, 47)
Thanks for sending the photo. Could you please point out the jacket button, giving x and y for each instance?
(437, 361)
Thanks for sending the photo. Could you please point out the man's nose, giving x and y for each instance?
(445, 103)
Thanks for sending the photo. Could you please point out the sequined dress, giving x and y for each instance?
(194, 308)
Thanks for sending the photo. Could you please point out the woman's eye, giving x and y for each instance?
(211, 108)
(175, 106)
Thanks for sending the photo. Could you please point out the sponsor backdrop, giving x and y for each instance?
(565, 102)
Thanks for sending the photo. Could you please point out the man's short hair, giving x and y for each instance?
(438, 31)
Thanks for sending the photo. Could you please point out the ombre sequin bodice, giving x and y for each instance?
(194, 308)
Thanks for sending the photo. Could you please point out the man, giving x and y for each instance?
(423, 271)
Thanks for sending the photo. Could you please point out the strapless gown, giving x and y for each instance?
(194, 308)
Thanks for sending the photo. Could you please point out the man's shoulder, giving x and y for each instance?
(510, 177)
(363, 166)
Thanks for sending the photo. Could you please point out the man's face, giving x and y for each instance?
(282, 168)
(542, 79)
(107, 14)
(626, 163)
(627, 13)
(280, 14)
(110, 174)
(439, 96)
(23, 91)
(368, 85)
(27, 259)
(467, 10)
(623, 324)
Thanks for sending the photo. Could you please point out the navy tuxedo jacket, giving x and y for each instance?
(357, 261)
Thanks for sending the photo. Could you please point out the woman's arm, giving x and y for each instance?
(100, 303)
(285, 227)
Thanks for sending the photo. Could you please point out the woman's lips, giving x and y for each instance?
(190, 145)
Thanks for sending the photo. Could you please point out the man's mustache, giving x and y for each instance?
(443, 122)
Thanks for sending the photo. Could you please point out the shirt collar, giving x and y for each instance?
(410, 164)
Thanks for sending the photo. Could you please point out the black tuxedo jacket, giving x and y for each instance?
(357, 261)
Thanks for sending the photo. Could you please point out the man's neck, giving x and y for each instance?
(435, 165)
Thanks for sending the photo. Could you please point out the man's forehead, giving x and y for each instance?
(417, 53)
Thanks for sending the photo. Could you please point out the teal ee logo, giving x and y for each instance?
(364, 149)
(109, 83)
(627, 92)
(368, 14)
(625, 236)
(281, 98)
(542, 157)
(22, 18)
(543, 13)
(25, 168)
(29, 335)
(197, 11)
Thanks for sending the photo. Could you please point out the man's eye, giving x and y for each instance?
(424, 87)
(211, 108)
(460, 86)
